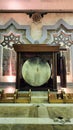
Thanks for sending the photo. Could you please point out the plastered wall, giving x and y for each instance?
(35, 28)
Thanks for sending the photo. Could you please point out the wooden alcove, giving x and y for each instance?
(26, 51)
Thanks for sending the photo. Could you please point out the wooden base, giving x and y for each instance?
(15, 97)
(60, 98)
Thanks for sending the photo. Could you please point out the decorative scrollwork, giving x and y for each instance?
(36, 17)
(62, 38)
(10, 39)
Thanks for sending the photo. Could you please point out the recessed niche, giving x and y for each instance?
(36, 67)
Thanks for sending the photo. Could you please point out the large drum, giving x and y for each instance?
(36, 71)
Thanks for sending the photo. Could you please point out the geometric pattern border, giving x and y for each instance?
(60, 23)
(18, 27)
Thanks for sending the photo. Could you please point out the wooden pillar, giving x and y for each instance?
(54, 71)
(18, 70)
(1, 60)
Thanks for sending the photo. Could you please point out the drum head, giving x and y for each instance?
(36, 71)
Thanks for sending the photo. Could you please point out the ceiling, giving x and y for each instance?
(44, 5)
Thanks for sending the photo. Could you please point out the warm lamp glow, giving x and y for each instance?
(10, 78)
(66, 90)
(14, 4)
(9, 89)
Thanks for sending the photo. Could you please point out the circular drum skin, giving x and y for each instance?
(36, 71)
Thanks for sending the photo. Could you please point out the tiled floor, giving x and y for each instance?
(41, 121)
(39, 118)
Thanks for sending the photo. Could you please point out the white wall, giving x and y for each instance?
(60, 5)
